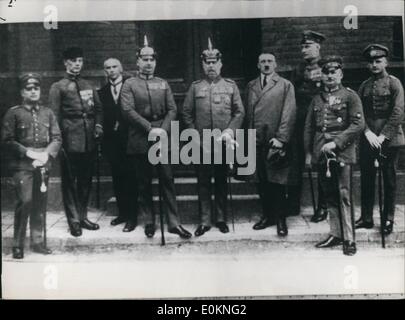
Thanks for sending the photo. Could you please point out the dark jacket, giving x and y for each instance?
(146, 103)
(213, 106)
(334, 116)
(383, 105)
(78, 109)
(25, 129)
(115, 128)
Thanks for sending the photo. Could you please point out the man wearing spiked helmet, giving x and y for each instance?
(213, 103)
(148, 106)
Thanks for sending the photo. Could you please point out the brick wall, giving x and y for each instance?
(29, 47)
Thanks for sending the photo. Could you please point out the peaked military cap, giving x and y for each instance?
(374, 51)
(30, 78)
(210, 53)
(146, 50)
(72, 53)
(309, 36)
(331, 62)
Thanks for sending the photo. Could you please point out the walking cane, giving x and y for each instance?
(162, 227)
(43, 189)
(98, 175)
(377, 165)
(311, 185)
(230, 196)
(329, 175)
(352, 204)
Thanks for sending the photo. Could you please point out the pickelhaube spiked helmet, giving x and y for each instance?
(211, 53)
(146, 50)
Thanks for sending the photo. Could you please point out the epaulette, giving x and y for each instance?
(15, 107)
(393, 77)
(197, 81)
(229, 80)
(349, 89)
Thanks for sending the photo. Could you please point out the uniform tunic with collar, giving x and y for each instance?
(307, 81)
(213, 105)
(383, 104)
(334, 116)
(210, 105)
(29, 128)
(78, 109)
(146, 103)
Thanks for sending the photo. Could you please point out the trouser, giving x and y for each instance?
(124, 185)
(272, 195)
(31, 202)
(368, 174)
(145, 196)
(77, 173)
(334, 199)
(205, 172)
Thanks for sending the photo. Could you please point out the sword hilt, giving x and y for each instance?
(43, 187)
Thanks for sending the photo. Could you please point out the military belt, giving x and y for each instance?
(79, 116)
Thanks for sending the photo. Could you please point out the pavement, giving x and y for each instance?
(301, 230)
(244, 264)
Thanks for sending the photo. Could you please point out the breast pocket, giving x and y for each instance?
(340, 111)
(22, 130)
(44, 131)
(318, 116)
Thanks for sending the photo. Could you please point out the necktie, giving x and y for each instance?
(264, 81)
(114, 85)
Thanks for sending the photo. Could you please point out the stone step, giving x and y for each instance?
(244, 193)
(301, 231)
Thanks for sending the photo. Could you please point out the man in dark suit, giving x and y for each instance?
(114, 146)
(383, 101)
(148, 106)
(270, 109)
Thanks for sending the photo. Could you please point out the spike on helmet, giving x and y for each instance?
(211, 53)
(146, 50)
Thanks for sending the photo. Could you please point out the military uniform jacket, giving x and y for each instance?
(307, 81)
(146, 103)
(383, 105)
(334, 116)
(30, 128)
(213, 105)
(272, 111)
(78, 109)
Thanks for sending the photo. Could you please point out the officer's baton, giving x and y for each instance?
(377, 165)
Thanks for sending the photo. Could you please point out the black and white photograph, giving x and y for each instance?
(202, 150)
